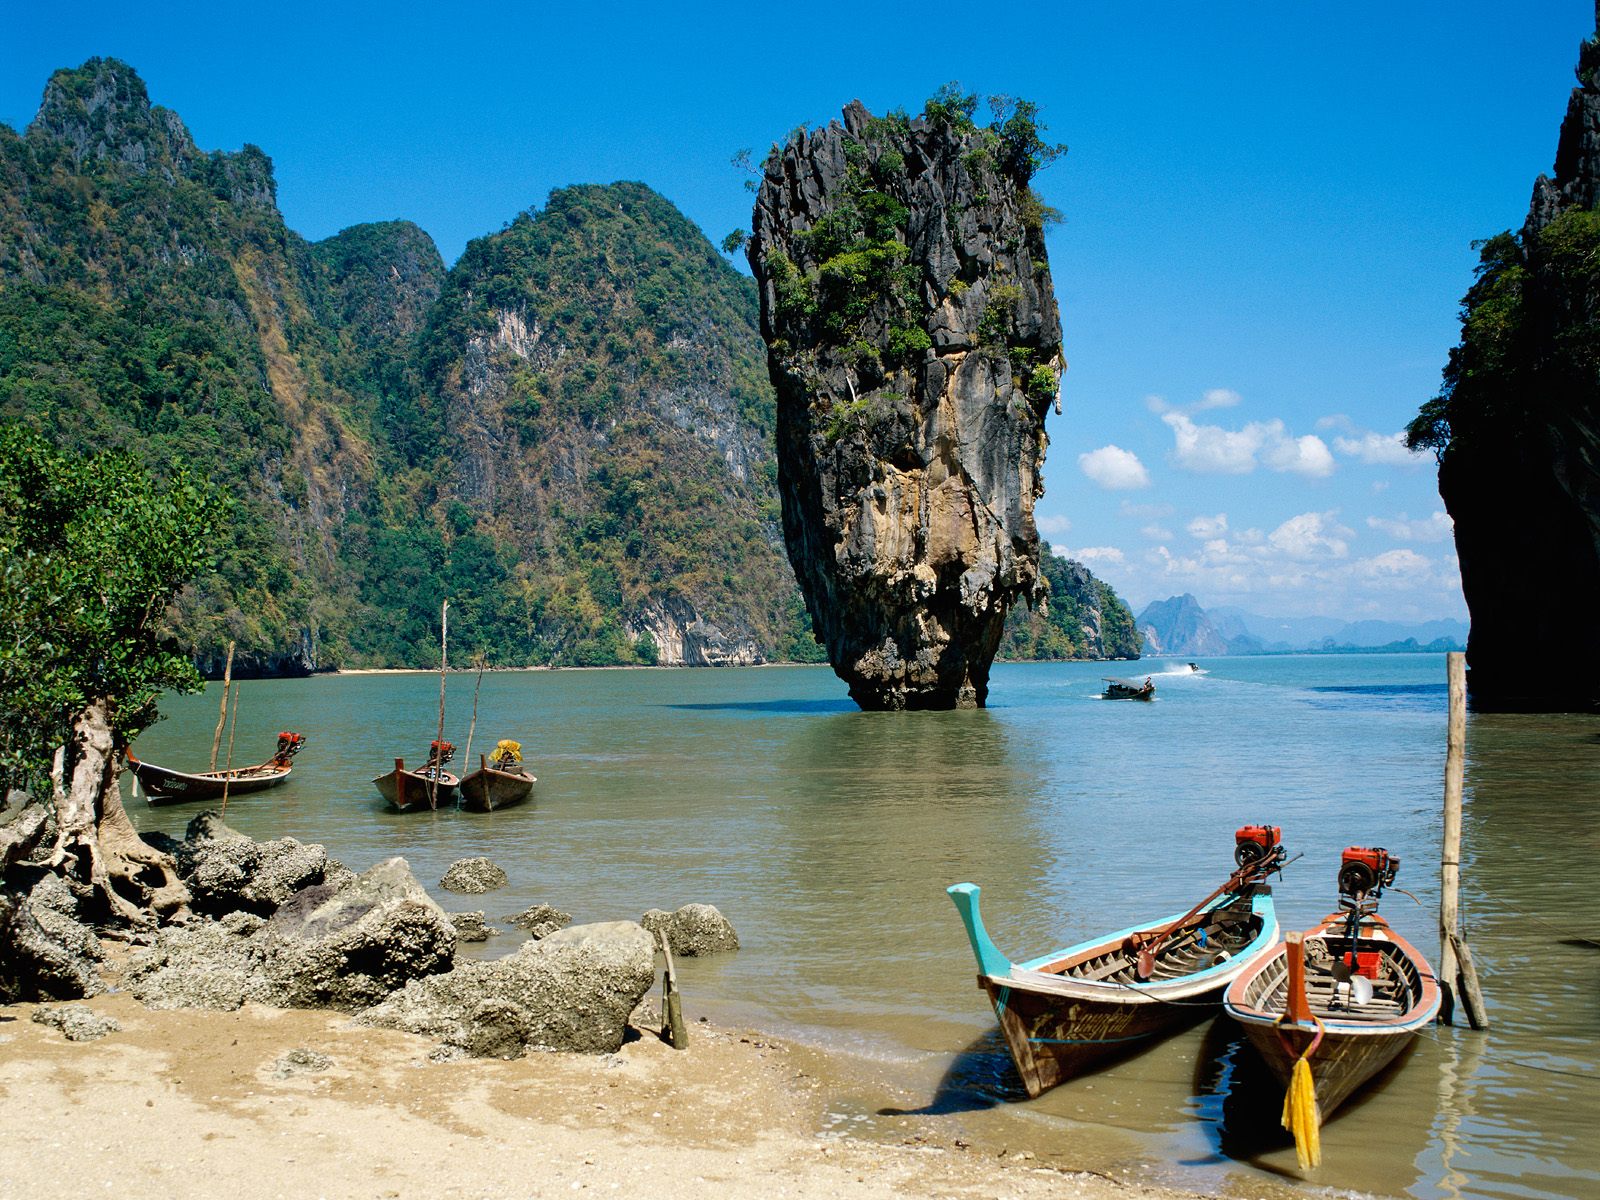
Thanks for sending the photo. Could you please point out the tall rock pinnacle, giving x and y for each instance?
(914, 344)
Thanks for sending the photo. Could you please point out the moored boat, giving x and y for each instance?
(163, 785)
(1129, 689)
(499, 782)
(1348, 995)
(425, 789)
(1065, 1012)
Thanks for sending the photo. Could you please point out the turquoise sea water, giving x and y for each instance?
(828, 836)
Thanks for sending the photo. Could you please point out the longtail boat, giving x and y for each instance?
(1129, 689)
(499, 782)
(1347, 996)
(162, 785)
(1071, 1009)
(425, 789)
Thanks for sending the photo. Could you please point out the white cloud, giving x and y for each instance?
(1306, 456)
(1055, 526)
(1213, 450)
(1310, 536)
(1380, 450)
(1090, 555)
(1434, 528)
(1217, 398)
(1393, 569)
(1208, 527)
(1157, 533)
(1157, 404)
(1114, 468)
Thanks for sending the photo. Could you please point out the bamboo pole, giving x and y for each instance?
(227, 777)
(222, 715)
(1457, 977)
(444, 664)
(483, 661)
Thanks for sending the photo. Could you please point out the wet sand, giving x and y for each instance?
(196, 1104)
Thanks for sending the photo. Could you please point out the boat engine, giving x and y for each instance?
(1366, 871)
(1258, 845)
(289, 744)
(440, 753)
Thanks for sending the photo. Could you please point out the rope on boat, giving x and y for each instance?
(1301, 1115)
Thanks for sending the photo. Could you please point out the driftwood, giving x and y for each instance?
(97, 849)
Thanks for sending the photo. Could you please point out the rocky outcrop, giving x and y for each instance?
(684, 638)
(572, 990)
(227, 871)
(328, 946)
(693, 930)
(914, 342)
(473, 877)
(539, 920)
(1517, 432)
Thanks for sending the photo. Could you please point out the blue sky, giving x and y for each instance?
(1269, 210)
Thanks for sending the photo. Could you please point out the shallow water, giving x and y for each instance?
(828, 835)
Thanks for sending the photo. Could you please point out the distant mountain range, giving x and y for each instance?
(1179, 625)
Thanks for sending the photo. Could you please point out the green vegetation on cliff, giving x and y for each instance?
(569, 434)
(1083, 617)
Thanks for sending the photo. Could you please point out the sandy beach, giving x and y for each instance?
(204, 1104)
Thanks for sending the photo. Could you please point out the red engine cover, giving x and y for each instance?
(1265, 836)
(1375, 859)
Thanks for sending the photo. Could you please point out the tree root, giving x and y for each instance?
(97, 847)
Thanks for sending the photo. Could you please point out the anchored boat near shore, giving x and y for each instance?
(1346, 997)
(499, 782)
(163, 785)
(1067, 1011)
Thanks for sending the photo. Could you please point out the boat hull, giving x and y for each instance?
(408, 791)
(1052, 1040)
(1059, 1025)
(487, 789)
(164, 786)
(1358, 1041)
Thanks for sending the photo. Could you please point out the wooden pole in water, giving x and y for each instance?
(444, 663)
(483, 661)
(227, 776)
(222, 716)
(1457, 976)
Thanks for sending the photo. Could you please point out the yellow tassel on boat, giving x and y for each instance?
(1302, 1117)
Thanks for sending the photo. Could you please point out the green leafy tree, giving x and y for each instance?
(94, 552)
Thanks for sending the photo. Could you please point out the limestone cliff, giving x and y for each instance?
(1517, 431)
(914, 343)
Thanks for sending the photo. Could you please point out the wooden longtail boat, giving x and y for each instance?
(1128, 689)
(1065, 1012)
(499, 783)
(423, 790)
(1360, 994)
(162, 785)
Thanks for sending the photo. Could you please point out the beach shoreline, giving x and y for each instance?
(186, 1103)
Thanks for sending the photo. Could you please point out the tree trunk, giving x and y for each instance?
(97, 847)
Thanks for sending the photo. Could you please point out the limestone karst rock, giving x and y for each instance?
(1517, 431)
(914, 343)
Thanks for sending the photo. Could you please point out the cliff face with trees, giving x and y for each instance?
(569, 433)
(914, 344)
(1517, 432)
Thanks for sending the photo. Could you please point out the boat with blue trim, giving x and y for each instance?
(1066, 1012)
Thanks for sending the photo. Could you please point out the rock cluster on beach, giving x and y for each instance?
(915, 346)
(282, 924)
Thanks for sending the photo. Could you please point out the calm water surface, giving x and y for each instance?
(828, 835)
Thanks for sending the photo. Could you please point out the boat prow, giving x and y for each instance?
(1067, 1011)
